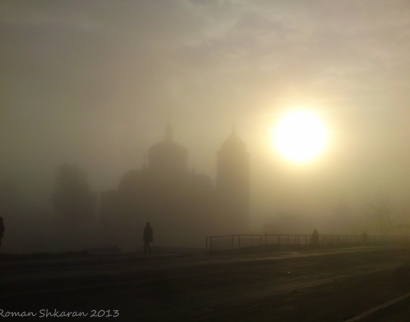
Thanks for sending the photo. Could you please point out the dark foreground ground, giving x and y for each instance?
(321, 285)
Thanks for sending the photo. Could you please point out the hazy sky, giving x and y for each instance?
(92, 82)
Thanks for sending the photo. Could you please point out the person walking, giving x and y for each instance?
(148, 238)
(364, 237)
(315, 237)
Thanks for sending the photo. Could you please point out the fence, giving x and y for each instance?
(233, 242)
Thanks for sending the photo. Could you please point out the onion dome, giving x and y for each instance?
(233, 143)
(168, 154)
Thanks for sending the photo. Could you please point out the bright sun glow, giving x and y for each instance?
(300, 136)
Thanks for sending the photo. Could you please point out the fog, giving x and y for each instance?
(95, 84)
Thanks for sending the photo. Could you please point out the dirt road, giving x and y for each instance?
(292, 286)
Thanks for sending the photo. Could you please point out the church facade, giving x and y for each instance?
(183, 207)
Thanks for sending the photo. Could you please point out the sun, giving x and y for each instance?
(300, 136)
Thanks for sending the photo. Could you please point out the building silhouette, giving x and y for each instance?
(233, 185)
(182, 205)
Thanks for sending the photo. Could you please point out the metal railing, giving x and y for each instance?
(233, 242)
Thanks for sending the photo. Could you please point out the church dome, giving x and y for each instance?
(233, 143)
(167, 147)
(168, 154)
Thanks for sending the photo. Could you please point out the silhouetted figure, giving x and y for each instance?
(1, 229)
(148, 237)
(315, 237)
(364, 237)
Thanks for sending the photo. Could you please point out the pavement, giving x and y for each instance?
(316, 284)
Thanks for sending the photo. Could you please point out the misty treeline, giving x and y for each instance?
(73, 200)
(381, 209)
(378, 212)
(68, 218)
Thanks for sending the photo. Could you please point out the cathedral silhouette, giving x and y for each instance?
(182, 206)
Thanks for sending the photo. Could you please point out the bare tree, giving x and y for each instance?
(73, 199)
(380, 207)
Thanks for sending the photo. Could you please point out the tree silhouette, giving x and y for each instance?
(380, 207)
(73, 200)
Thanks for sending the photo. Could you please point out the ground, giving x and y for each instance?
(310, 285)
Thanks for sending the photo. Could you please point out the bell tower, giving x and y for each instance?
(233, 184)
(168, 156)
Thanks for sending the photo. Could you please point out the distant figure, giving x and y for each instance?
(315, 237)
(364, 237)
(1, 229)
(148, 237)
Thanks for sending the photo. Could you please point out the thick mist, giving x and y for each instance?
(95, 84)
